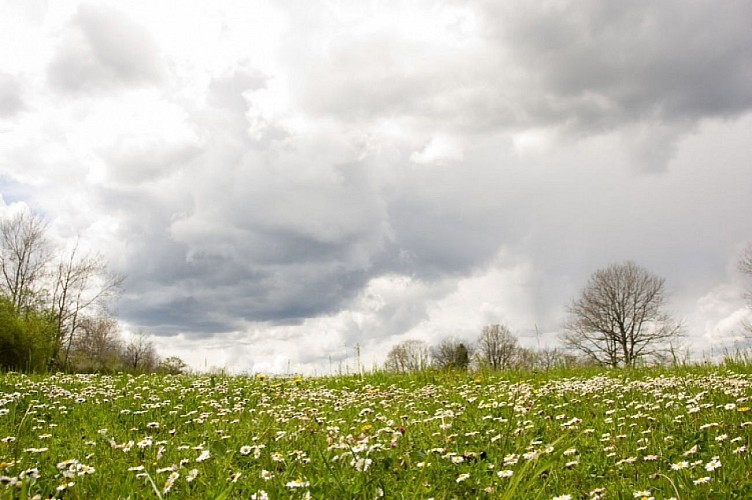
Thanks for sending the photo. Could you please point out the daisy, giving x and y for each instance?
(298, 483)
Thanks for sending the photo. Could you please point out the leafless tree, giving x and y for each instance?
(619, 317)
(82, 285)
(408, 356)
(497, 347)
(745, 266)
(555, 357)
(452, 353)
(24, 255)
(139, 354)
(98, 346)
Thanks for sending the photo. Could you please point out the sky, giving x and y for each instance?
(298, 185)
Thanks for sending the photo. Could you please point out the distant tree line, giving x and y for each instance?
(618, 320)
(496, 348)
(54, 308)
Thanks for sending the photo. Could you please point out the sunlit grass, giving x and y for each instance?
(680, 433)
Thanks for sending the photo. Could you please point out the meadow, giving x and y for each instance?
(648, 433)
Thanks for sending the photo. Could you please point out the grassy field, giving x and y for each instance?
(642, 434)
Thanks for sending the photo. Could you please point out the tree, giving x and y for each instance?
(451, 353)
(497, 347)
(173, 365)
(99, 346)
(24, 255)
(408, 356)
(139, 354)
(82, 284)
(25, 338)
(619, 317)
(745, 266)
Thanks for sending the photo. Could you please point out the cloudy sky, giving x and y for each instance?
(287, 182)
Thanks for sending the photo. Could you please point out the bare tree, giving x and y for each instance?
(24, 255)
(620, 318)
(408, 356)
(139, 354)
(745, 266)
(451, 353)
(98, 347)
(549, 358)
(497, 347)
(82, 284)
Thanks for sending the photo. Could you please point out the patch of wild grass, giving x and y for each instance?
(661, 433)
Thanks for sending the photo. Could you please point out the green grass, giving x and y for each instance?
(431, 434)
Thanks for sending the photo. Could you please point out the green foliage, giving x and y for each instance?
(26, 339)
(173, 365)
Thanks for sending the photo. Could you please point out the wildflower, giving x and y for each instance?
(644, 494)
(8, 481)
(571, 464)
(505, 473)
(563, 497)
(650, 458)
(8, 439)
(30, 473)
(739, 450)
(298, 483)
(361, 464)
(569, 452)
(203, 456)
(691, 451)
(260, 495)
(597, 493)
(191, 475)
(66, 463)
(153, 425)
(234, 478)
(245, 450)
(462, 477)
(680, 465)
(277, 457)
(702, 480)
(168, 483)
(65, 485)
(266, 475)
(85, 469)
(714, 464)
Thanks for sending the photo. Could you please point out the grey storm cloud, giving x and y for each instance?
(103, 49)
(583, 68)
